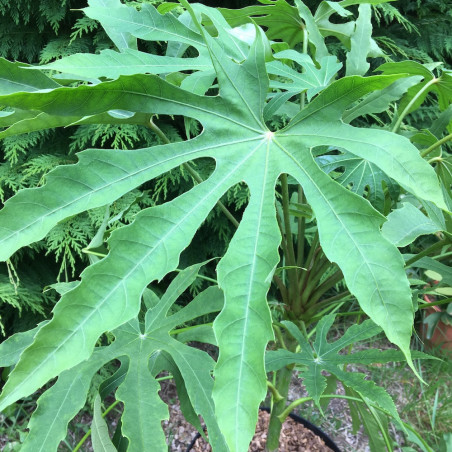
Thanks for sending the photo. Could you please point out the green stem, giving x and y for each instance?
(305, 51)
(283, 238)
(419, 437)
(156, 129)
(439, 143)
(325, 286)
(88, 433)
(434, 160)
(442, 256)
(309, 260)
(275, 394)
(279, 336)
(206, 278)
(187, 328)
(301, 231)
(412, 102)
(297, 402)
(316, 307)
(286, 213)
(426, 252)
(436, 303)
(293, 291)
(283, 379)
(320, 267)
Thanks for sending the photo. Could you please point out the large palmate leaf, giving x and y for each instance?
(244, 149)
(135, 344)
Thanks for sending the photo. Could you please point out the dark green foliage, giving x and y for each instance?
(417, 30)
(26, 27)
(40, 32)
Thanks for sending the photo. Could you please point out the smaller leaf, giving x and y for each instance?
(312, 78)
(99, 430)
(15, 78)
(406, 224)
(380, 100)
(360, 175)
(428, 263)
(314, 34)
(112, 64)
(367, 419)
(12, 348)
(325, 356)
(360, 43)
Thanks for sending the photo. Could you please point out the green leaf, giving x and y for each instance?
(361, 176)
(111, 64)
(406, 224)
(314, 36)
(59, 404)
(360, 43)
(380, 100)
(416, 95)
(135, 344)
(313, 80)
(341, 31)
(245, 150)
(123, 39)
(147, 23)
(99, 430)
(281, 19)
(324, 356)
(370, 424)
(428, 263)
(139, 393)
(14, 79)
(12, 348)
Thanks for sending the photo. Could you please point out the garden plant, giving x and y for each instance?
(299, 110)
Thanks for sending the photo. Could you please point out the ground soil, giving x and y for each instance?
(294, 438)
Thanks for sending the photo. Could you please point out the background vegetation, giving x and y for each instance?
(40, 32)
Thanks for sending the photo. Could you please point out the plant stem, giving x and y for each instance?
(283, 378)
(279, 336)
(426, 252)
(286, 212)
(293, 290)
(275, 394)
(412, 102)
(88, 433)
(315, 308)
(297, 402)
(282, 289)
(436, 303)
(443, 140)
(320, 267)
(305, 51)
(156, 129)
(325, 286)
(187, 328)
(309, 260)
(301, 231)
